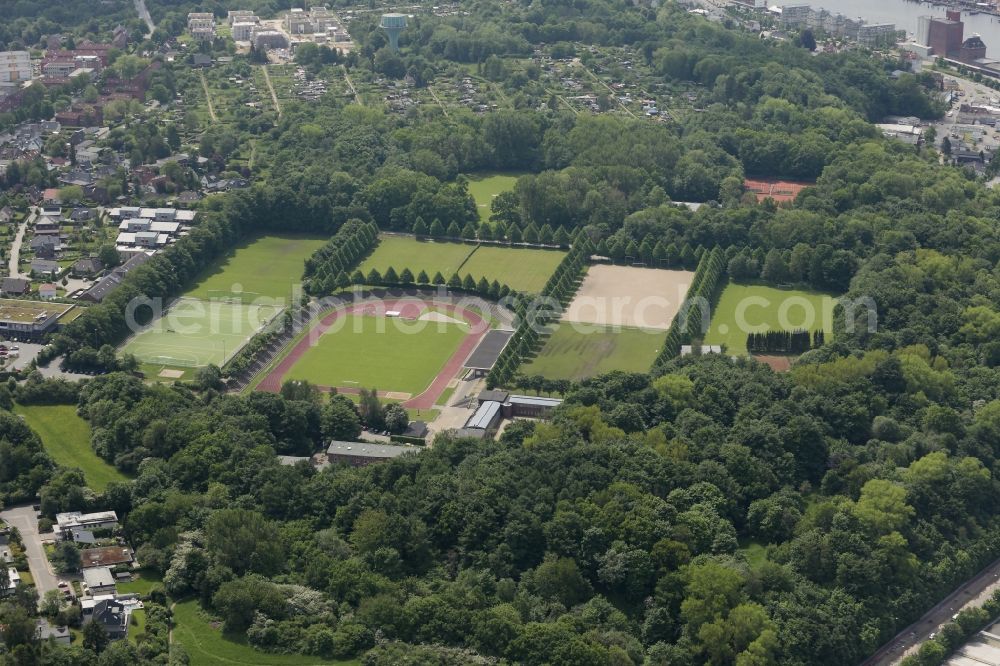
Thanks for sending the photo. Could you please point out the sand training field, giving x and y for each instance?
(635, 297)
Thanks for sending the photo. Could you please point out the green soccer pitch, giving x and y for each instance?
(591, 351)
(264, 266)
(384, 353)
(194, 333)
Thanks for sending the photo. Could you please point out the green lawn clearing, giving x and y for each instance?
(484, 186)
(519, 268)
(744, 306)
(142, 583)
(384, 353)
(206, 644)
(523, 269)
(401, 252)
(572, 354)
(67, 439)
(446, 396)
(266, 266)
(193, 333)
(137, 625)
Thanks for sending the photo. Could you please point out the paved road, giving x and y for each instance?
(13, 265)
(140, 8)
(23, 518)
(973, 593)
(28, 351)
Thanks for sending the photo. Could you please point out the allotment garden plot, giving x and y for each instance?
(193, 333)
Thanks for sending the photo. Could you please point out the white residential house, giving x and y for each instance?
(72, 522)
(13, 580)
(135, 225)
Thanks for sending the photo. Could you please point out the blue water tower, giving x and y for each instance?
(393, 24)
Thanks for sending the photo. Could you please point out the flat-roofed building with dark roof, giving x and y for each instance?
(416, 430)
(485, 355)
(495, 395)
(359, 454)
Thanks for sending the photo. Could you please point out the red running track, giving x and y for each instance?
(407, 308)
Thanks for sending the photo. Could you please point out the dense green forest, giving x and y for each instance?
(709, 512)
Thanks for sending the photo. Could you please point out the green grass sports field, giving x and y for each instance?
(743, 305)
(523, 269)
(575, 355)
(381, 353)
(519, 268)
(401, 252)
(203, 329)
(484, 186)
(266, 265)
(206, 644)
(67, 439)
(195, 333)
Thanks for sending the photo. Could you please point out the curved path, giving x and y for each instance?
(409, 308)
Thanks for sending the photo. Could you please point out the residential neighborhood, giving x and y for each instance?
(76, 561)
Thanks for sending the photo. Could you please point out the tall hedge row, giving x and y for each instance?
(329, 267)
(560, 287)
(686, 325)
